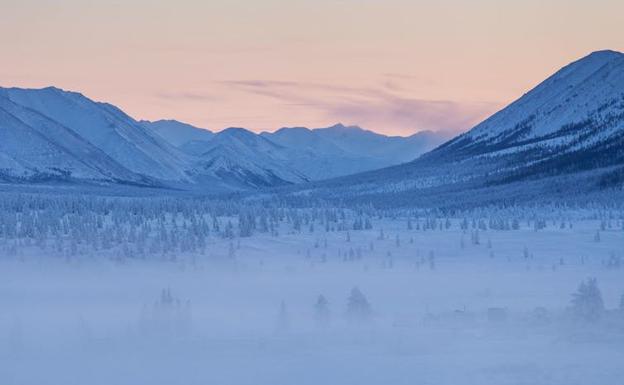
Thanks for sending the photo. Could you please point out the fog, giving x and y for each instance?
(398, 306)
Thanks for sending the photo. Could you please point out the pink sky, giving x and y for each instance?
(393, 66)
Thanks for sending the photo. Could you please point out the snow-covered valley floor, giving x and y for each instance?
(398, 306)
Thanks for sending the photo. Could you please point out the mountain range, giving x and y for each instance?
(566, 134)
(52, 135)
(297, 154)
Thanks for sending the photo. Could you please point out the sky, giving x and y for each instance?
(392, 66)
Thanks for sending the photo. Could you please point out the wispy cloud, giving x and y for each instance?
(383, 108)
(409, 115)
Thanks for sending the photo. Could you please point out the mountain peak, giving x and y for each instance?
(342, 127)
(605, 53)
(576, 108)
(238, 131)
(49, 89)
(292, 129)
(591, 62)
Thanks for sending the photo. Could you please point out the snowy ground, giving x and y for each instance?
(93, 321)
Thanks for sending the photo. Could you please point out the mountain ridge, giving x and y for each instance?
(50, 134)
(572, 123)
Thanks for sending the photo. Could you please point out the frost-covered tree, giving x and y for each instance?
(587, 303)
(321, 311)
(169, 317)
(358, 307)
(431, 259)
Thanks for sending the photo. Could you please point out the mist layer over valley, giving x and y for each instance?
(162, 291)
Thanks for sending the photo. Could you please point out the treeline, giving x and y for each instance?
(168, 226)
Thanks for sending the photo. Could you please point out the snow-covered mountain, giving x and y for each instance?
(318, 157)
(340, 150)
(178, 133)
(578, 107)
(96, 125)
(35, 147)
(49, 134)
(389, 150)
(295, 154)
(570, 124)
(572, 121)
(242, 157)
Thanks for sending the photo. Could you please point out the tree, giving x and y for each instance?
(358, 308)
(587, 303)
(321, 311)
(431, 260)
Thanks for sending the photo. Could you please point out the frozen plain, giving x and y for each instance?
(445, 309)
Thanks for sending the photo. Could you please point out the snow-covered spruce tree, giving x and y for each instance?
(587, 303)
(169, 316)
(431, 259)
(358, 308)
(321, 311)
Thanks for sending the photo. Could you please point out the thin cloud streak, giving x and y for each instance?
(377, 108)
